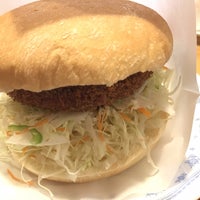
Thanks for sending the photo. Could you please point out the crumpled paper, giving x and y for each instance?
(139, 180)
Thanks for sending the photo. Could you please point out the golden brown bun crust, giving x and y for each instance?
(53, 43)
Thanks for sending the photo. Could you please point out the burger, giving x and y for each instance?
(84, 91)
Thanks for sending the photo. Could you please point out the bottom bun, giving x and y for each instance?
(50, 169)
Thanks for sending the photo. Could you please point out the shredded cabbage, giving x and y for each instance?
(92, 139)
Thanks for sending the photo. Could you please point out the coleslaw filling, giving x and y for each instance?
(97, 139)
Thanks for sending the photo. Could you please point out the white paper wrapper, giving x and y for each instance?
(138, 181)
(197, 4)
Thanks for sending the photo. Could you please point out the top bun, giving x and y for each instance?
(54, 43)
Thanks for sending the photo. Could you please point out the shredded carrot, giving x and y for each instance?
(32, 156)
(100, 120)
(144, 111)
(40, 122)
(81, 141)
(30, 183)
(9, 133)
(125, 117)
(22, 131)
(109, 148)
(101, 136)
(61, 129)
(86, 138)
(100, 125)
(25, 149)
(13, 176)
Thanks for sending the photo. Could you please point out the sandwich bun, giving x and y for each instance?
(65, 43)
(51, 44)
